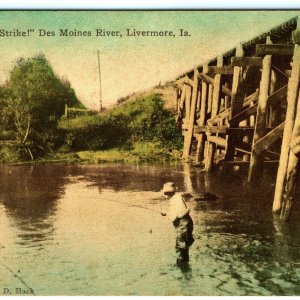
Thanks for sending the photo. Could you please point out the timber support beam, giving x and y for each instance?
(244, 108)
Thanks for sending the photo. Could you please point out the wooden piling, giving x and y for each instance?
(181, 103)
(214, 112)
(236, 105)
(256, 160)
(202, 120)
(198, 105)
(291, 149)
(191, 118)
(177, 98)
(292, 95)
(274, 112)
(210, 97)
(188, 94)
(226, 99)
(250, 107)
(292, 172)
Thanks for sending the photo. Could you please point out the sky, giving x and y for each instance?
(128, 63)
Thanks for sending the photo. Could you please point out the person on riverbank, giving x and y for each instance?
(179, 214)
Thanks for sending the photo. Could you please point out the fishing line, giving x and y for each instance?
(143, 207)
(136, 205)
(19, 278)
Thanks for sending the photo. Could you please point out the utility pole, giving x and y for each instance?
(100, 86)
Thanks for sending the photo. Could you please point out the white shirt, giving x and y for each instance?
(178, 207)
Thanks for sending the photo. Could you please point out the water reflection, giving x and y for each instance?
(186, 270)
(29, 195)
(145, 177)
(99, 232)
(188, 185)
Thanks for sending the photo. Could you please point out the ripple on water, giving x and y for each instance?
(88, 233)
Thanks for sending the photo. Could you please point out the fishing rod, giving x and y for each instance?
(141, 206)
(144, 207)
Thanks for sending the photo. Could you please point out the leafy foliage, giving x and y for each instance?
(94, 132)
(32, 105)
(142, 120)
(32, 101)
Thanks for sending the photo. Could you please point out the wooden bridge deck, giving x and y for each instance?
(245, 105)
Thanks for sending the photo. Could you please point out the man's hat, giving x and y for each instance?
(168, 187)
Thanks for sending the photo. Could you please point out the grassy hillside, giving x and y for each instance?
(138, 129)
(166, 93)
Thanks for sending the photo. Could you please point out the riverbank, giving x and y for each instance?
(140, 152)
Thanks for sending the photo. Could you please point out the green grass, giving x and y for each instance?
(139, 131)
(140, 152)
(112, 155)
(9, 154)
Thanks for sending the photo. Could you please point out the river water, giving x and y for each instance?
(96, 230)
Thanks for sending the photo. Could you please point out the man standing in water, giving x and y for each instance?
(179, 214)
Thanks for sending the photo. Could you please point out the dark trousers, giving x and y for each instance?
(184, 237)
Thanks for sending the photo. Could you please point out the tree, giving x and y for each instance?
(16, 115)
(33, 103)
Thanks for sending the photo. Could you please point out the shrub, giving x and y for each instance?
(138, 121)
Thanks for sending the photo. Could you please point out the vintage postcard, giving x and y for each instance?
(149, 153)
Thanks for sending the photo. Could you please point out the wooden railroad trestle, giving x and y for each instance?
(244, 108)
